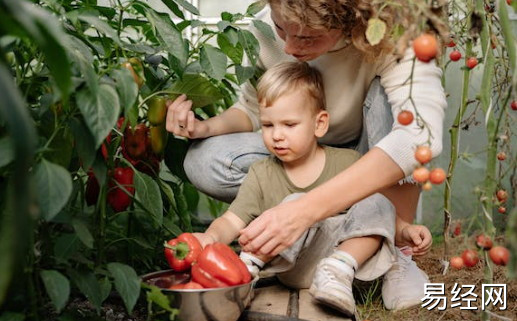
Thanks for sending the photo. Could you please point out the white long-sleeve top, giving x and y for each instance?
(347, 77)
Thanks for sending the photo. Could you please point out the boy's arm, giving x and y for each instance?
(223, 229)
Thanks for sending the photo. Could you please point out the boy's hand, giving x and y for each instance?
(181, 120)
(418, 238)
(204, 238)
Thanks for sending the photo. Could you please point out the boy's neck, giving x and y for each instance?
(305, 171)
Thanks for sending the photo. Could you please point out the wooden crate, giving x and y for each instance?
(274, 302)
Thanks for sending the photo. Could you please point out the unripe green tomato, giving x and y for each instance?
(157, 110)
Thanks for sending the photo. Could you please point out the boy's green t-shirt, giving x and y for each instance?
(267, 183)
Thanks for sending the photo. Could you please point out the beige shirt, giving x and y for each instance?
(347, 77)
(267, 183)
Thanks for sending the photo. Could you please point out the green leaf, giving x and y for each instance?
(155, 295)
(234, 52)
(12, 316)
(83, 233)
(57, 286)
(100, 111)
(45, 31)
(264, 28)
(191, 196)
(188, 6)
(170, 37)
(255, 7)
(197, 88)
(89, 286)
(174, 8)
(54, 188)
(84, 143)
(85, 66)
(127, 283)
(213, 61)
(101, 25)
(375, 31)
(7, 154)
(66, 246)
(221, 25)
(126, 88)
(250, 44)
(105, 286)
(182, 207)
(243, 73)
(148, 194)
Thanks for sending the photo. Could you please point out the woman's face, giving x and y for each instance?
(304, 43)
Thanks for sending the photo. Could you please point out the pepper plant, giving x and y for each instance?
(91, 184)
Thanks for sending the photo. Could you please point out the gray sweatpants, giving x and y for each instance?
(374, 215)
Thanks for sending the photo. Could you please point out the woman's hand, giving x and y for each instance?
(276, 229)
(417, 237)
(181, 120)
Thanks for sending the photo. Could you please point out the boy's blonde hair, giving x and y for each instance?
(289, 76)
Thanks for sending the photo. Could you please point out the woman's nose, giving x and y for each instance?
(291, 46)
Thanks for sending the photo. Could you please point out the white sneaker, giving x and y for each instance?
(403, 285)
(332, 285)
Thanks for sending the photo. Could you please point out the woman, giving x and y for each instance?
(365, 88)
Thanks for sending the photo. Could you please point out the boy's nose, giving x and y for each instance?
(277, 134)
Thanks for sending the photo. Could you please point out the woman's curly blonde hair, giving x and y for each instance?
(351, 16)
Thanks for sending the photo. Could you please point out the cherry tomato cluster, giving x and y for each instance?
(422, 174)
(501, 196)
(456, 55)
(500, 255)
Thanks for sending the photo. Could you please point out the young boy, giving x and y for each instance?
(358, 243)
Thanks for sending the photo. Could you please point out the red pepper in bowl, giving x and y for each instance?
(219, 266)
(182, 251)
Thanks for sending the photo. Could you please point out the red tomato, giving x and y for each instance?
(455, 55)
(470, 258)
(451, 44)
(457, 262)
(423, 154)
(499, 255)
(457, 229)
(509, 2)
(502, 196)
(484, 242)
(501, 209)
(437, 176)
(425, 47)
(421, 174)
(513, 105)
(472, 62)
(405, 117)
(501, 156)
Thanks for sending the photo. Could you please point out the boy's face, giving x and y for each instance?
(290, 127)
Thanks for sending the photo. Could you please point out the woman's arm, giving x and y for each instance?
(279, 227)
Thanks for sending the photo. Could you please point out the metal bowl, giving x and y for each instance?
(218, 304)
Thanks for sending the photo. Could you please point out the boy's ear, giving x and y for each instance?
(322, 123)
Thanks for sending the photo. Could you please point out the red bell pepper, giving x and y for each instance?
(182, 251)
(118, 199)
(219, 266)
(186, 286)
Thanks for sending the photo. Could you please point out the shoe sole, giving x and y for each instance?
(328, 300)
